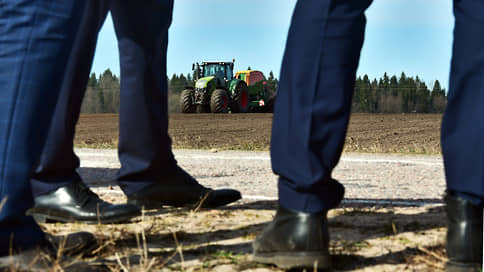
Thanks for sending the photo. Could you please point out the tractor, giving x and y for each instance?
(261, 96)
(216, 90)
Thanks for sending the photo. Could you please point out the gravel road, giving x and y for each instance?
(368, 178)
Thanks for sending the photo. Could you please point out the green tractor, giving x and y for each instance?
(216, 90)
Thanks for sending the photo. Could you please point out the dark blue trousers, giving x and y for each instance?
(314, 101)
(35, 40)
(463, 123)
(314, 98)
(58, 163)
(144, 145)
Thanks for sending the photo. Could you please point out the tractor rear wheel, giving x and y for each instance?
(186, 101)
(241, 98)
(219, 102)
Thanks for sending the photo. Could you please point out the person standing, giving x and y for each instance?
(35, 40)
(311, 118)
(149, 174)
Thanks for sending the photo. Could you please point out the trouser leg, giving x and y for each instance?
(35, 38)
(58, 162)
(314, 101)
(144, 145)
(462, 126)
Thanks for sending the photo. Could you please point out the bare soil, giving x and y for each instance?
(380, 133)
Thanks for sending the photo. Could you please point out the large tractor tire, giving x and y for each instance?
(186, 101)
(219, 102)
(240, 100)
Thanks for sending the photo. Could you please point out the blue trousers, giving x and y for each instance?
(463, 124)
(144, 145)
(314, 101)
(35, 40)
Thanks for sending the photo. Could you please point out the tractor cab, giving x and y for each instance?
(221, 71)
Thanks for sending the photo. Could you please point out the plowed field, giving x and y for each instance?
(396, 133)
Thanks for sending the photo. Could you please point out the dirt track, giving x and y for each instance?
(380, 133)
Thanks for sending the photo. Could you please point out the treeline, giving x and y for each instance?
(392, 95)
(102, 94)
(383, 95)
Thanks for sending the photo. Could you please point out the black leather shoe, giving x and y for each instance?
(75, 202)
(294, 240)
(182, 190)
(54, 252)
(464, 235)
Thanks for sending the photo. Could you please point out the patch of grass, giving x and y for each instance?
(229, 256)
(361, 244)
(404, 241)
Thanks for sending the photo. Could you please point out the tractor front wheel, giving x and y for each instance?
(219, 102)
(186, 101)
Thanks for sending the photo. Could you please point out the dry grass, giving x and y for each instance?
(177, 239)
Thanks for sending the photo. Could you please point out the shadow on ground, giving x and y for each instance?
(353, 229)
(364, 233)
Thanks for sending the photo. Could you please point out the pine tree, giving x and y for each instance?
(109, 87)
(437, 90)
(422, 97)
(438, 98)
(100, 96)
(92, 82)
(364, 97)
(394, 85)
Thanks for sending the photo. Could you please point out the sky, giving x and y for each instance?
(411, 36)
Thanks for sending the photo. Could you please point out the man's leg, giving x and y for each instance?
(149, 173)
(310, 121)
(58, 162)
(59, 193)
(36, 37)
(462, 138)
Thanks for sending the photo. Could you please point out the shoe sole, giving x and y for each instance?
(148, 205)
(290, 260)
(462, 267)
(46, 218)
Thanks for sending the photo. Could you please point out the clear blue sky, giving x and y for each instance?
(412, 36)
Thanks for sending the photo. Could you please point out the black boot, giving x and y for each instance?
(294, 240)
(464, 235)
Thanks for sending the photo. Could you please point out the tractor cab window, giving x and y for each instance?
(228, 72)
(213, 70)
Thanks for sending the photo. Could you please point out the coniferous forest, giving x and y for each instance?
(402, 94)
